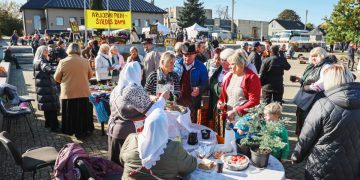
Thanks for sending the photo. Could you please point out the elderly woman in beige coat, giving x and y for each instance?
(73, 74)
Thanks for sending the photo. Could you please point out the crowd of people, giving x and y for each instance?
(233, 81)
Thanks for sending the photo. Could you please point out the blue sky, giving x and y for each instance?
(262, 9)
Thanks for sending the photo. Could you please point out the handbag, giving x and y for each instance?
(304, 100)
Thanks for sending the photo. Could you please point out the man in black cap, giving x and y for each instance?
(255, 56)
(151, 60)
(246, 48)
(194, 80)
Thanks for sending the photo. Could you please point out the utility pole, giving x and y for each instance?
(232, 17)
(86, 35)
(107, 7)
(306, 14)
(261, 33)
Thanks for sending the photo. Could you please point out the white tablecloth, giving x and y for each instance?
(180, 125)
(197, 128)
(274, 171)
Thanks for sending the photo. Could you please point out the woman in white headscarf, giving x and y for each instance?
(129, 105)
(151, 155)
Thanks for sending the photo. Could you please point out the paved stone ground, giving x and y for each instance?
(97, 144)
(20, 133)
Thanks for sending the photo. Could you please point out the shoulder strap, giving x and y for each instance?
(138, 171)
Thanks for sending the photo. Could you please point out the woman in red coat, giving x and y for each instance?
(234, 100)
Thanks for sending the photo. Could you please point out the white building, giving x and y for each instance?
(252, 30)
(56, 14)
(276, 26)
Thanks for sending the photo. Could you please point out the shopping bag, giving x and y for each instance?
(304, 100)
(229, 137)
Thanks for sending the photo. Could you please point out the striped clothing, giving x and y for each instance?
(152, 80)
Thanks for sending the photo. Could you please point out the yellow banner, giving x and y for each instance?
(108, 19)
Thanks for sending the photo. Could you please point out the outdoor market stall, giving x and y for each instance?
(193, 30)
(160, 28)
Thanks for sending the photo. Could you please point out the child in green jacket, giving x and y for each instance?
(272, 112)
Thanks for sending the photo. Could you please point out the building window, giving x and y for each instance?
(82, 21)
(137, 22)
(72, 19)
(154, 21)
(37, 22)
(146, 23)
(59, 21)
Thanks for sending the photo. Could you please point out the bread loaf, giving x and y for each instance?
(206, 164)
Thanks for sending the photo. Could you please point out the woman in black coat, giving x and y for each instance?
(330, 136)
(46, 89)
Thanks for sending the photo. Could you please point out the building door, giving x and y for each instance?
(255, 32)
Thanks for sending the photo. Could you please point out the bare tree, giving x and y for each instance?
(11, 8)
(222, 12)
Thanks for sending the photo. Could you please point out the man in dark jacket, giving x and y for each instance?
(351, 56)
(255, 56)
(330, 136)
(271, 76)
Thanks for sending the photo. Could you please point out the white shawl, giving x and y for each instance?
(131, 74)
(153, 139)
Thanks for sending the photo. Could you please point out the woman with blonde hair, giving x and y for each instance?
(240, 91)
(245, 55)
(164, 75)
(103, 65)
(330, 136)
(311, 84)
(73, 74)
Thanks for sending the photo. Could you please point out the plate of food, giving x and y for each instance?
(237, 162)
(177, 108)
